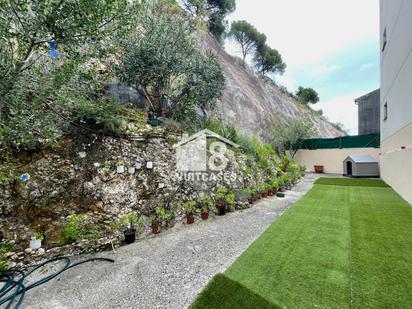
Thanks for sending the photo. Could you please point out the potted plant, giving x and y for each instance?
(171, 215)
(35, 241)
(281, 182)
(287, 181)
(119, 167)
(262, 190)
(157, 218)
(206, 203)
(230, 201)
(318, 169)
(270, 191)
(190, 208)
(251, 192)
(131, 225)
(223, 199)
(275, 185)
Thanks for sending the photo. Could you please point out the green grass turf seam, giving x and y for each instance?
(352, 182)
(350, 260)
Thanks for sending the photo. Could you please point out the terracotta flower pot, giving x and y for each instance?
(156, 228)
(204, 215)
(190, 219)
(221, 209)
(318, 169)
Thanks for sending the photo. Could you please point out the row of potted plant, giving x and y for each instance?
(221, 201)
(272, 187)
(132, 225)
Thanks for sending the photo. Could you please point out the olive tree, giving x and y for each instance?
(162, 61)
(32, 94)
(290, 136)
(30, 28)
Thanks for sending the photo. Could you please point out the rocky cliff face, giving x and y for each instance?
(250, 102)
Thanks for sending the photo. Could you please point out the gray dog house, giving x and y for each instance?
(361, 166)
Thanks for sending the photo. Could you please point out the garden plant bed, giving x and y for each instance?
(340, 246)
(168, 270)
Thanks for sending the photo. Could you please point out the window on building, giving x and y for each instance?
(384, 40)
(385, 111)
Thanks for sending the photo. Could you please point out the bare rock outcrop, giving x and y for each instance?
(250, 102)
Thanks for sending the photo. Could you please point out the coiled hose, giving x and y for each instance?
(13, 289)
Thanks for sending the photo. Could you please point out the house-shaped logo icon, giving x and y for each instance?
(191, 152)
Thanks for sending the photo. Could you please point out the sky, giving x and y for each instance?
(329, 45)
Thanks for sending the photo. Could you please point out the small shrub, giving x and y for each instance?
(224, 195)
(106, 116)
(130, 221)
(205, 203)
(190, 207)
(3, 264)
(159, 216)
(71, 230)
(76, 230)
(38, 235)
(7, 172)
(4, 248)
(225, 130)
(247, 143)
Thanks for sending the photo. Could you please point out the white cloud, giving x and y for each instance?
(308, 31)
(324, 70)
(366, 67)
(342, 109)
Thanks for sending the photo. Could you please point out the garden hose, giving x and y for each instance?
(13, 290)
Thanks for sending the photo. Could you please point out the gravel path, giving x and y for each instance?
(166, 271)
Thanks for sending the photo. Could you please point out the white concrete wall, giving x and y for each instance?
(396, 162)
(331, 159)
(396, 91)
(396, 65)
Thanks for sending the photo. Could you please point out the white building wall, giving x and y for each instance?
(331, 159)
(396, 92)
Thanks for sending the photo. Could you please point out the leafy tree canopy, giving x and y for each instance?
(214, 11)
(307, 95)
(27, 26)
(247, 36)
(162, 61)
(268, 60)
(289, 137)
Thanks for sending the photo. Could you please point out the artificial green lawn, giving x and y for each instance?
(353, 182)
(339, 246)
